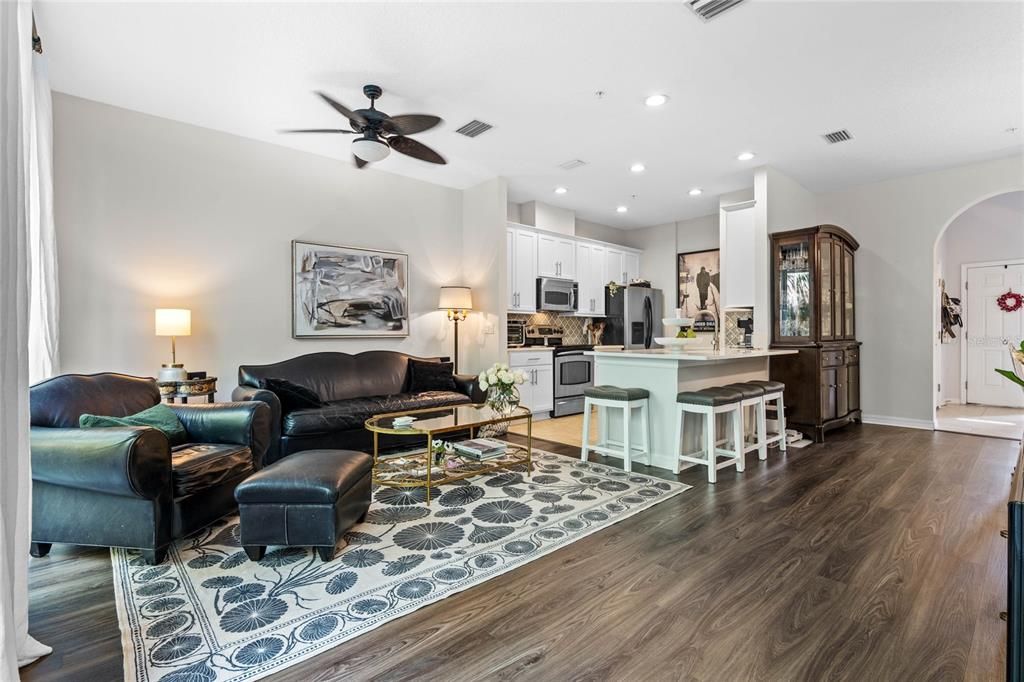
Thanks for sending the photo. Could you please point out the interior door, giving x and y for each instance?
(989, 334)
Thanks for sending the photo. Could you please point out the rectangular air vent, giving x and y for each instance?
(574, 163)
(837, 136)
(709, 9)
(474, 128)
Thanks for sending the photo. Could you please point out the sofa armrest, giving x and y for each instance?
(467, 384)
(130, 461)
(241, 423)
(252, 393)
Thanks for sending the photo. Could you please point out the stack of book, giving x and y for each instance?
(481, 448)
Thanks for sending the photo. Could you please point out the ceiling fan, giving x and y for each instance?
(380, 133)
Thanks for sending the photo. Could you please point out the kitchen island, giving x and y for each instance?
(665, 372)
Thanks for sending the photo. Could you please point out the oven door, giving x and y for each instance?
(574, 372)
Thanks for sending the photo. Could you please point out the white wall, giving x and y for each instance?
(662, 243)
(547, 217)
(603, 233)
(992, 230)
(153, 213)
(897, 223)
(482, 337)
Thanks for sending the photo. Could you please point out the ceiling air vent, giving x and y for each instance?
(474, 128)
(574, 163)
(837, 136)
(709, 9)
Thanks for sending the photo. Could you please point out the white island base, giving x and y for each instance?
(666, 372)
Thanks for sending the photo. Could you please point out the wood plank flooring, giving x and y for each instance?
(875, 556)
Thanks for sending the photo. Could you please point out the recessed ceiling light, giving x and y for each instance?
(561, 190)
(656, 100)
(696, 192)
(621, 209)
(745, 156)
(638, 168)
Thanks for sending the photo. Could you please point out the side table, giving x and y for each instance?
(189, 388)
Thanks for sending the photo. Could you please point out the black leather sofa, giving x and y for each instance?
(126, 486)
(353, 388)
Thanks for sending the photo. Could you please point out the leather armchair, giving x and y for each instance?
(126, 486)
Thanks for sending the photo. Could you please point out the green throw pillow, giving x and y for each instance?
(159, 417)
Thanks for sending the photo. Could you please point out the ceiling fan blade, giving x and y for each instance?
(320, 130)
(417, 150)
(410, 124)
(359, 162)
(344, 111)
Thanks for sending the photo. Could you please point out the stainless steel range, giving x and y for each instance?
(574, 372)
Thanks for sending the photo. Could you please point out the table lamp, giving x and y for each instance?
(173, 322)
(458, 301)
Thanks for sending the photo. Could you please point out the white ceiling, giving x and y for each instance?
(921, 85)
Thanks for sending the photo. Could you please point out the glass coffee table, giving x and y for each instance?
(419, 468)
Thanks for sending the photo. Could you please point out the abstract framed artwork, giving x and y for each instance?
(345, 292)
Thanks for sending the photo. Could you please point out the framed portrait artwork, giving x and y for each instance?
(344, 292)
(698, 285)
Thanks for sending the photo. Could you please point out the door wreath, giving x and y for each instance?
(1010, 302)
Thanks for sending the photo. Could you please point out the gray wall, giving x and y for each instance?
(897, 223)
(153, 213)
(662, 243)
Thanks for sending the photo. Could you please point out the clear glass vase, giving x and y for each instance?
(503, 398)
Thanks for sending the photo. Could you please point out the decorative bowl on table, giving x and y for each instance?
(678, 342)
(677, 321)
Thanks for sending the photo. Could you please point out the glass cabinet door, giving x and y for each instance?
(793, 302)
(827, 279)
(848, 313)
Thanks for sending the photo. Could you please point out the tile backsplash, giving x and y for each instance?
(574, 327)
(733, 334)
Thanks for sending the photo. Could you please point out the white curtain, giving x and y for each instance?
(17, 122)
(43, 356)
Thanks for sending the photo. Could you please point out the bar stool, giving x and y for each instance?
(753, 396)
(625, 399)
(773, 391)
(711, 402)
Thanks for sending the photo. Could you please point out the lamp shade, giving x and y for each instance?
(173, 322)
(455, 298)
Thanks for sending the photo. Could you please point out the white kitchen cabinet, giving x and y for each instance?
(556, 256)
(590, 274)
(631, 264)
(522, 269)
(738, 259)
(614, 270)
(538, 392)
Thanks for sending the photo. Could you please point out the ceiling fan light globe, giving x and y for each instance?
(370, 150)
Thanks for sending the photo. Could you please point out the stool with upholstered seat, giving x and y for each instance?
(625, 399)
(773, 391)
(711, 402)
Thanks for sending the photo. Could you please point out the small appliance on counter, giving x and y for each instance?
(516, 333)
(633, 317)
(747, 325)
(544, 335)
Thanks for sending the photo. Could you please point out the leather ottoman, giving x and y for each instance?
(308, 499)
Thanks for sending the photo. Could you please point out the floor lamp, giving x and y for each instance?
(457, 301)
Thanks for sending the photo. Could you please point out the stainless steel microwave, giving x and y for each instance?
(557, 295)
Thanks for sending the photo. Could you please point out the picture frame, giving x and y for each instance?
(341, 292)
(693, 289)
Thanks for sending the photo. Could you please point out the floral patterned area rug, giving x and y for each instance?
(208, 613)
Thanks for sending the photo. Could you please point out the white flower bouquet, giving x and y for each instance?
(500, 382)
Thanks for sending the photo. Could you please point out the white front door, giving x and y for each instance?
(989, 334)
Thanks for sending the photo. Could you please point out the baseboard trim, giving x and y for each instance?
(882, 420)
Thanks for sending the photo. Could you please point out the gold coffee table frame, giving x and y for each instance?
(417, 469)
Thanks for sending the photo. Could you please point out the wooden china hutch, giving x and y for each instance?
(814, 312)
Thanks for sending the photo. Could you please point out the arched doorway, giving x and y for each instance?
(978, 256)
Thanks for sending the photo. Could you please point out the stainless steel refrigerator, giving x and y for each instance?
(633, 317)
